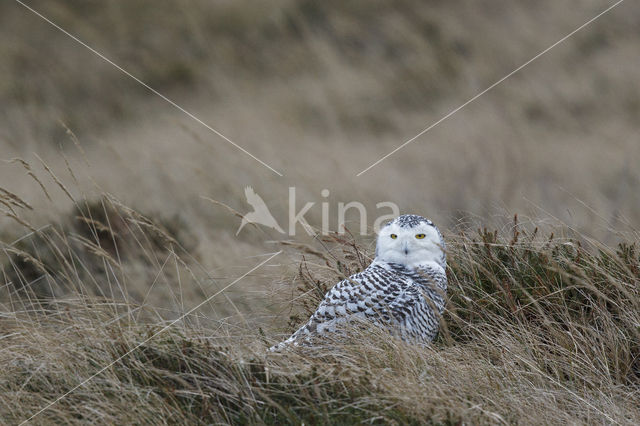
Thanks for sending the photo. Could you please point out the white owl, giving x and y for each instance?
(403, 289)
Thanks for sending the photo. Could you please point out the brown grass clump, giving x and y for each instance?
(96, 242)
(538, 330)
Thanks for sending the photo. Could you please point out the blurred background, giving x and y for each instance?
(319, 91)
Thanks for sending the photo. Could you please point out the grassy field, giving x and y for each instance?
(539, 329)
(109, 234)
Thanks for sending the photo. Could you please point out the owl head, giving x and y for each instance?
(411, 240)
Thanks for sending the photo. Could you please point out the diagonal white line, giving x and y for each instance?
(162, 330)
(127, 73)
(452, 112)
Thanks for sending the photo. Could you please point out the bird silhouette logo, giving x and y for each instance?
(260, 214)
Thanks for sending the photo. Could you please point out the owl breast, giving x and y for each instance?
(408, 303)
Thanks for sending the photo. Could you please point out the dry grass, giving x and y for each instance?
(538, 330)
(107, 233)
(295, 81)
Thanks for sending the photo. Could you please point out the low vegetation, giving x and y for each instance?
(108, 235)
(538, 329)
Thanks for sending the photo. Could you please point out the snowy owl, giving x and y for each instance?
(403, 289)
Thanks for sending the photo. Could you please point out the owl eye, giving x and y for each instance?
(420, 236)
(393, 236)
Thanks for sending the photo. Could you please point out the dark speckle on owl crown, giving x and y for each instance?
(410, 220)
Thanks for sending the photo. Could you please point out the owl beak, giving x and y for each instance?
(405, 248)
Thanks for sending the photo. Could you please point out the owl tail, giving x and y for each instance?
(298, 338)
(282, 345)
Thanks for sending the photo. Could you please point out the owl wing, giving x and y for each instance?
(368, 294)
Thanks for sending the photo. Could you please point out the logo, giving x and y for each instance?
(262, 216)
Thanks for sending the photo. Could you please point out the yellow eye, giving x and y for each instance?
(393, 236)
(420, 236)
